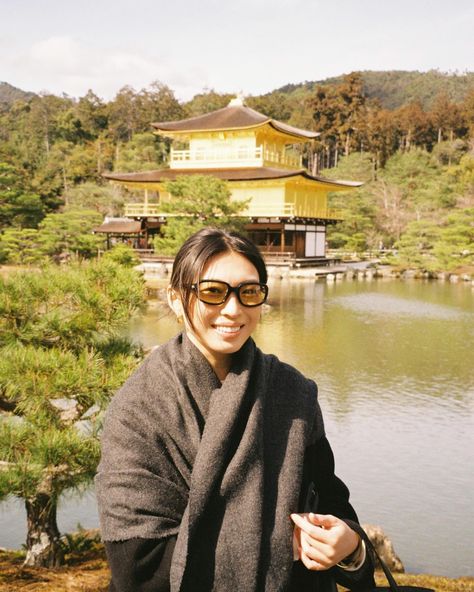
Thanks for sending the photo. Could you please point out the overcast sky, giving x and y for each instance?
(248, 46)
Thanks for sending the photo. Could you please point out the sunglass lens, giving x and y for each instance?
(252, 294)
(212, 292)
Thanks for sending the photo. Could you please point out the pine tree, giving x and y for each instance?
(196, 201)
(61, 358)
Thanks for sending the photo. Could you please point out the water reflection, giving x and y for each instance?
(374, 304)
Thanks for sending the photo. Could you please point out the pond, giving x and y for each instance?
(394, 362)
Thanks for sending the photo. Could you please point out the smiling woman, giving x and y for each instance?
(219, 319)
(211, 446)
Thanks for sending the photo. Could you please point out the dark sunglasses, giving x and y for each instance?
(216, 292)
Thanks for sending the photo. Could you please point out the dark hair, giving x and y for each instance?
(202, 246)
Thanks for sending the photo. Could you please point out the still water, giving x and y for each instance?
(394, 362)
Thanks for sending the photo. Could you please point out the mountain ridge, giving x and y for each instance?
(9, 93)
(395, 88)
(392, 88)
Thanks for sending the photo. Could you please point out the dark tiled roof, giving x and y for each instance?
(235, 174)
(232, 117)
(120, 226)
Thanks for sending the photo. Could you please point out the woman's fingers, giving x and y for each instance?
(316, 552)
(311, 564)
(315, 531)
(325, 521)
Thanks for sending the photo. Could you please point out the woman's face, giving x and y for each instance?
(220, 330)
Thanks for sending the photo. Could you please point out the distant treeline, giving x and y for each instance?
(53, 149)
(395, 88)
(59, 141)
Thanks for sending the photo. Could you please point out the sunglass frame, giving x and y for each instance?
(230, 290)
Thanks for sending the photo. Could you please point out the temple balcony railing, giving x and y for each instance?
(286, 210)
(233, 158)
(290, 210)
(142, 210)
(254, 210)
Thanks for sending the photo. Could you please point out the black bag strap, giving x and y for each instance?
(394, 587)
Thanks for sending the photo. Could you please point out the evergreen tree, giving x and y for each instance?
(108, 200)
(415, 247)
(69, 233)
(122, 114)
(339, 114)
(357, 231)
(196, 201)
(455, 245)
(92, 113)
(144, 152)
(275, 104)
(61, 358)
(20, 246)
(158, 103)
(18, 206)
(414, 126)
(205, 102)
(445, 117)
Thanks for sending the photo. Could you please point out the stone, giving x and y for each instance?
(384, 547)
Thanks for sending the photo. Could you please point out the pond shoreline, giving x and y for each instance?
(358, 270)
(88, 572)
(156, 276)
(369, 271)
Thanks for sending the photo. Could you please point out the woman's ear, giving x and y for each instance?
(175, 303)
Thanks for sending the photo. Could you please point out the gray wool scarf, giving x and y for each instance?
(218, 465)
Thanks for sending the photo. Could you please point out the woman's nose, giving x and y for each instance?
(231, 306)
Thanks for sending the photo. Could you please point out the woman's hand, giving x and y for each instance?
(323, 540)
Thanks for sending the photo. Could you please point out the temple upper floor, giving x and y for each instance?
(229, 150)
(234, 137)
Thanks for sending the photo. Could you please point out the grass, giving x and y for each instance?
(86, 570)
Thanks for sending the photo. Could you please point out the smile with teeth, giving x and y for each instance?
(227, 329)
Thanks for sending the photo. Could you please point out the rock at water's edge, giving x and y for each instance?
(384, 547)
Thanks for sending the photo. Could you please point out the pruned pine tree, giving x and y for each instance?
(197, 201)
(62, 355)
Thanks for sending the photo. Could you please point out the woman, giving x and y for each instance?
(211, 445)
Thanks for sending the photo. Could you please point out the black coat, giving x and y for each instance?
(197, 479)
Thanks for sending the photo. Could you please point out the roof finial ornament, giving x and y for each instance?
(237, 101)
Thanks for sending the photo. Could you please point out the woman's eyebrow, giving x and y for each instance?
(252, 280)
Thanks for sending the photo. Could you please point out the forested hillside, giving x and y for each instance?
(417, 160)
(395, 88)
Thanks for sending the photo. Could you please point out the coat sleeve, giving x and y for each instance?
(327, 494)
(140, 565)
